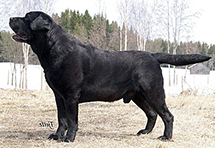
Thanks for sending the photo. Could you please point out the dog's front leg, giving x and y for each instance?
(72, 119)
(62, 120)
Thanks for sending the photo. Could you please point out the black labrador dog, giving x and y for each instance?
(78, 72)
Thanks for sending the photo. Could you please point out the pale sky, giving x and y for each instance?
(205, 26)
(204, 30)
(92, 5)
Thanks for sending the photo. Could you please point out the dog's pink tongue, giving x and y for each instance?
(20, 34)
(19, 38)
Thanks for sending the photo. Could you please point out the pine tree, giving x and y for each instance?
(65, 23)
(87, 22)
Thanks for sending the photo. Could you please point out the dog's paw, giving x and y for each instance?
(67, 139)
(143, 132)
(163, 138)
(54, 137)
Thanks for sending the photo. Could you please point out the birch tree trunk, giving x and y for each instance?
(168, 38)
(144, 45)
(120, 40)
(140, 43)
(25, 49)
(126, 25)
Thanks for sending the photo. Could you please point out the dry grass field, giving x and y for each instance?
(23, 115)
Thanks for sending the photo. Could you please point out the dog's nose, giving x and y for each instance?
(11, 19)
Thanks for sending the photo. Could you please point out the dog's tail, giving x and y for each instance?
(179, 59)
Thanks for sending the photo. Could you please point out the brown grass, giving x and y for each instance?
(104, 124)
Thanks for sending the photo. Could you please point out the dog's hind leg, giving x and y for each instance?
(140, 101)
(150, 81)
(62, 120)
(156, 99)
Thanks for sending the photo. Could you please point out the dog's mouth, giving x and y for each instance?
(20, 37)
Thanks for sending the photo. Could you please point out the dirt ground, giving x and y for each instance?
(27, 118)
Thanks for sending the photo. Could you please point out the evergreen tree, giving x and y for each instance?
(164, 45)
(72, 20)
(204, 48)
(87, 22)
(211, 50)
(65, 20)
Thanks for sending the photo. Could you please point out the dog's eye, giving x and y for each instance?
(26, 18)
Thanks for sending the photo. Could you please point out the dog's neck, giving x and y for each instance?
(49, 48)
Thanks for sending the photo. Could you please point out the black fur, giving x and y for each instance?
(79, 72)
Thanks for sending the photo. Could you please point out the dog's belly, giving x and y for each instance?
(101, 94)
(108, 94)
(109, 89)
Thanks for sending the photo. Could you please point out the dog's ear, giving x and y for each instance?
(42, 22)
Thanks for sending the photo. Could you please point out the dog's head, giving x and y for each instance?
(29, 27)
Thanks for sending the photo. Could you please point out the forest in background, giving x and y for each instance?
(103, 34)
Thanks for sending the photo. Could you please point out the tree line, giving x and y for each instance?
(103, 34)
